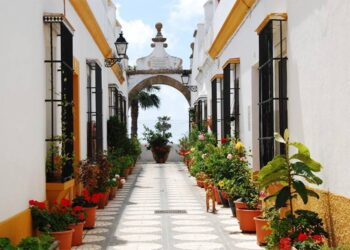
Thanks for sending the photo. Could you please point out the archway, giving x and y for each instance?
(154, 79)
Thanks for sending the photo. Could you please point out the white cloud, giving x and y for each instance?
(186, 11)
(138, 34)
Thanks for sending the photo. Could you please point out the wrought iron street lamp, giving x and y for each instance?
(185, 77)
(121, 46)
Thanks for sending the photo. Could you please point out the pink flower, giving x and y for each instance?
(262, 194)
(201, 137)
(229, 156)
(122, 181)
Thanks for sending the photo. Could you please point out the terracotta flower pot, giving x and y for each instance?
(126, 173)
(232, 206)
(217, 196)
(239, 205)
(106, 196)
(112, 193)
(77, 239)
(223, 200)
(91, 217)
(246, 219)
(160, 154)
(65, 238)
(261, 230)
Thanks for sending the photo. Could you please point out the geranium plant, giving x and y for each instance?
(302, 230)
(87, 200)
(55, 220)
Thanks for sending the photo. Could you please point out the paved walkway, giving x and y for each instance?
(133, 222)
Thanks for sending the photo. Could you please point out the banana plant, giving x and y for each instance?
(290, 171)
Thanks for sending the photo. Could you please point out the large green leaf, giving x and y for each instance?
(274, 165)
(302, 149)
(282, 197)
(301, 190)
(279, 138)
(302, 170)
(279, 176)
(313, 194)
(312, 164)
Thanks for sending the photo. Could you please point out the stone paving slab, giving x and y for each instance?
(130, 221)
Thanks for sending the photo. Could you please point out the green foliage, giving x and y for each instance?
(5, 244)
(103, 175)
(302, 223)
(43, 242)
(291, 171)
(160, 137)
(117, 138)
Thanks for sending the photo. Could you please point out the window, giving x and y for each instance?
(231, 99)
(216, 106)
(201, 114)
(59, 97)
(113, 100)
(272, 87)
(94, 112)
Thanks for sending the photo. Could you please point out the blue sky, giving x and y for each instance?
(179, 18)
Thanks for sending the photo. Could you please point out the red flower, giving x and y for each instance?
(40, 205)
(302, 237)
(317, 238)
(65, 203)
(77, 208)
(81, 217)
(285, 243)
(224, 140)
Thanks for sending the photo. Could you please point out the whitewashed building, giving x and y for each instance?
(53, 81)
(266, 65)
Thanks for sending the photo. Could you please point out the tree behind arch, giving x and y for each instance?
(144, 99)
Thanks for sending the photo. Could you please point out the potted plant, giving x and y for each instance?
(250, 196)
(43, 242)
(262, 225)
(79, 215)
(158, 140)
(55, 222)
(89, 203)
(113, 186)
(102, 180)
(290, 172)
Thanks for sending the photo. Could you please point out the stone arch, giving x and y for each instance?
(161, 80)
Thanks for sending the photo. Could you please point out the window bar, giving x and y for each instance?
(214, 107)
(99, 112)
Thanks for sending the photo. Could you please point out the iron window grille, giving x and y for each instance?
(231, 100)
(94, 112)
(201, 114)
(59, 96)
(273, 98)
(113, 100)
(214, 106)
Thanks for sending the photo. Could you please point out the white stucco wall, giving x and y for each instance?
(319, 85)
(22, 106)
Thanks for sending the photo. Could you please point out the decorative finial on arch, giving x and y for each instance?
(159, 37)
